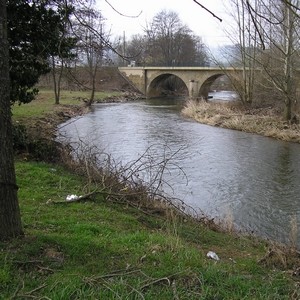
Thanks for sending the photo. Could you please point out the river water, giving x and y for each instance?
(226, 174)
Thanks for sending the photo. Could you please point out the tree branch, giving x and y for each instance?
(255, 24)
(121, 13)
(202, 6)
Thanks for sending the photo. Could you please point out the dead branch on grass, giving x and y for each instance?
(174, 289)
(147, 283)
(30, 293)
(156, 281)
(280, 256)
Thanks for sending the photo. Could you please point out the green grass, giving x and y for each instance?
(104, 250)
(45, 102)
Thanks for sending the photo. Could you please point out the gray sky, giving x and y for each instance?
(197, 19)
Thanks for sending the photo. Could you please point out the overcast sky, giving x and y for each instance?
(197, 19)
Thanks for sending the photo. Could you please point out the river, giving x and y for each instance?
(226, 174)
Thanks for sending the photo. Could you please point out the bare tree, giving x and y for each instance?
(10, 220)
(137, 49)
(63, 52)
(267, 40)
(93, 42)
(248, 47)
(171, 43)
(242, 54)
(276, 24)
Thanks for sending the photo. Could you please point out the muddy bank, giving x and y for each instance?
(34, 137)
(266, 121)
(45, 126)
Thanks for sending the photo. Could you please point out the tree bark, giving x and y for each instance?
(288, 62)
(10, 219)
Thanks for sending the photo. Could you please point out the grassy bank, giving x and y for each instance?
(35, 123)
(103, 249)
(264, 121)
(108, 248)
(44, 104)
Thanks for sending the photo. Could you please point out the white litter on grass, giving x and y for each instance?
(72, 197)
(212, 255)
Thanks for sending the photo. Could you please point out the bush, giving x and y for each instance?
(20, 138)
(35, 148)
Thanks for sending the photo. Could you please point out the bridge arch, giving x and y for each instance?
(205, 87)
(166, 84)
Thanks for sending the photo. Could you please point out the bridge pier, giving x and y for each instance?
(195, 93)
(193, 89)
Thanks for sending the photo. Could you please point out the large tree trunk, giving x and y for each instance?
(10, 220)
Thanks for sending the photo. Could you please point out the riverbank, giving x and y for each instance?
(263, 121)
(105, 248)
(35, 123)
(109, 247)
(43, 113)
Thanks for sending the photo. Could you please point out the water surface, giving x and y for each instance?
(251, 179)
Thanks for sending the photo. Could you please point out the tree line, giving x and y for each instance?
(267, 48)
(166, 41)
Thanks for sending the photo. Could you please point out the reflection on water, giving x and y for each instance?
(253, 178)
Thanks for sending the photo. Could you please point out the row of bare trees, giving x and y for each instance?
(267, 49)
(86, 28)
(166, 41)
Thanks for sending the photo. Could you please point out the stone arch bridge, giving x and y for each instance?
(197, 80)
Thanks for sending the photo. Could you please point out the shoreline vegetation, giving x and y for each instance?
(115, 244)
(265, 121)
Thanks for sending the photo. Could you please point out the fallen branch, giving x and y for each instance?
(30, 293)
(114, 274)
(28, 262)
(156, 281)
(174, 289)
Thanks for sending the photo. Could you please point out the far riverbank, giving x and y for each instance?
(263, 121)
